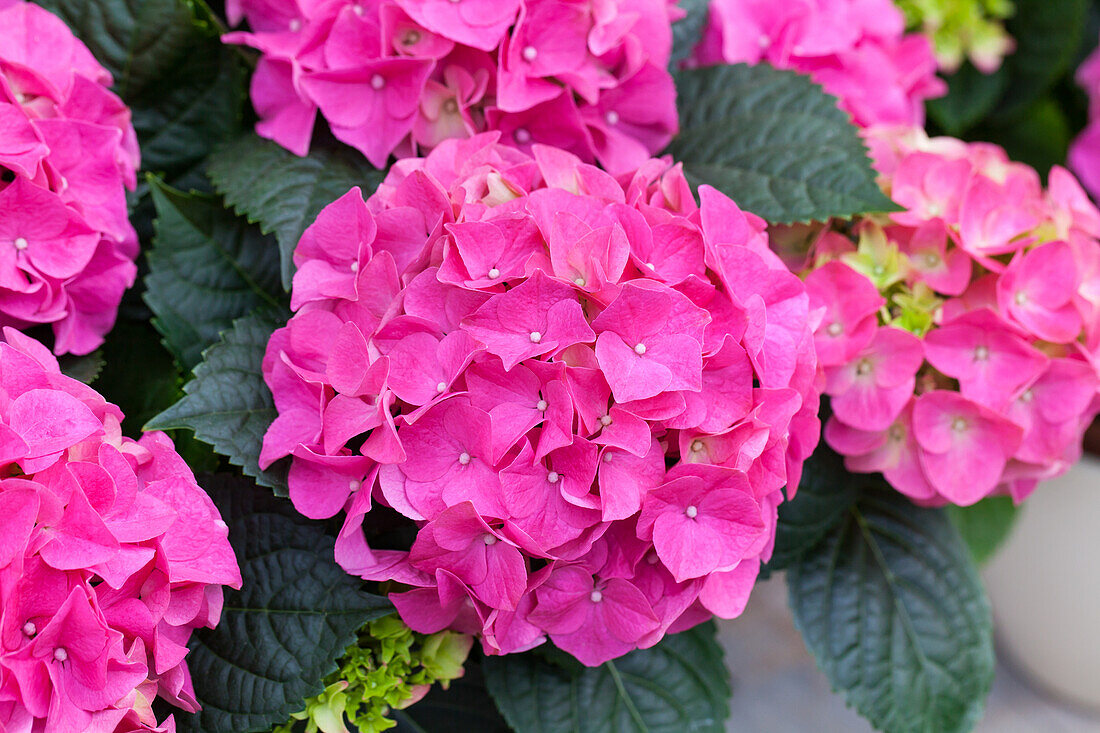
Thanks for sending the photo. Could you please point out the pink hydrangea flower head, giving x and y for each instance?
(67, 154)
(401, 77)
(856, 49)
(111, 556)
(547, 342)
(935, 366)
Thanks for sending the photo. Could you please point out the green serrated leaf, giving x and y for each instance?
(207, 268)
(984, 526)
(971, 95)
(284, 631)
(464, 706)
(282, 192)
(688, 31)
(825, 494)
(227, 403)
(775, 143)
(1047, 35)
(82, 368)
(679, 685)
(196, 106)
(138, 41)
(891, 606)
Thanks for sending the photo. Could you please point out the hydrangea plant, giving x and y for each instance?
(482, 317)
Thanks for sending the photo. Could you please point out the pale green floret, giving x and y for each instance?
(962, 29)
(389, 668)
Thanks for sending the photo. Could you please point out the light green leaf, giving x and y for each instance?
(775, 143)
(984, 526)
(207, 268)
(679, 685)
(284, 631)
(227, 403)
(891, 606)
(282, 192)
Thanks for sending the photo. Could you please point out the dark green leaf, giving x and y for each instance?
(825, 494)
(208, 267)
(138, 41)
(1047, 35)
(891, 606)
(985, 525)
(971, 95)
(464, 706)
(283, 632)
(775, 143)
(227, 404)
(681, 684)
(688, 31)
(282, 192)
(83, 368)
(196, 106)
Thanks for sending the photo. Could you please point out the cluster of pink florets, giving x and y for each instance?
(110, 555)
(960, 340)
(67, 153)
(398, 76)
(1084, 154)
(856, 49)
(586, 392)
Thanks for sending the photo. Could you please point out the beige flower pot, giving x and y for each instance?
(1044, 585)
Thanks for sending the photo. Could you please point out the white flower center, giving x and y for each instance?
(30, 629)
(553, 477)
(605, 420)
(639, 349)
(651, 266)
(696, 446)
(464, 458)
(354, 485)
(355, 267)
(295, 25)
(612, 117)
(897, 432)
(1021, 297)
(981, 353)
(958, 424)
(834, 329)
(595, 596)
(579, 282)
(412, 37)
(21, 243)
(931, 259)
(494, 274)
(530, 52)
(441, 387)
(541, 405)
(692, 511)
(863, 367)
(377, 81)
(358, 9)
(489, 539)
(878, 270)
(1027, 396)
(763, 41)
(608, 456)
(522, 136)
(60, 654)
(450, 106)
(536, 337)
